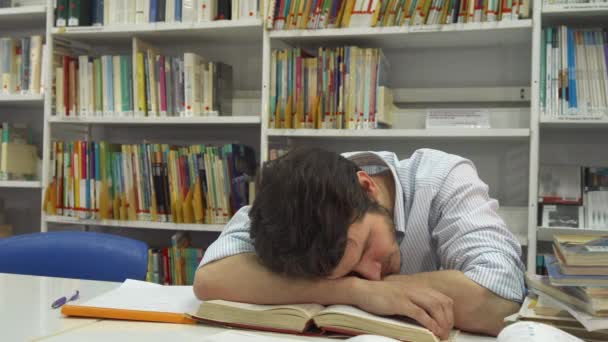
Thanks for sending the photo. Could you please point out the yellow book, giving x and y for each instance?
(307, 14)
(77, 177)
(187, 207)
(288, 114)
(197, 203)
(141, 84)
(348, 11)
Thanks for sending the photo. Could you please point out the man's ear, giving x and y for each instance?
(367, 183)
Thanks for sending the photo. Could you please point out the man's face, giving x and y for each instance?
(371, 249)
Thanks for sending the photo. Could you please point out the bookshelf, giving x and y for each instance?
(483, 134)
(24, 16)
(203, 120)
(242, 31)
(22, 100)
(134, 224)
(566, 140)
(456, 66)
(425, 36)
(21, 184)
(22, 197)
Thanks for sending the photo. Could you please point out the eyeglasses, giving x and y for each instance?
(61, 301)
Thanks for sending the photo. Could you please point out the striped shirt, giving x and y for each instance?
(444, 217)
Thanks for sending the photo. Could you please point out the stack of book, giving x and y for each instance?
(145, 84)
(21, 64)
(149, 182)
(574, 73)
(175, 265)
(573, 197)
(337, 88)
(575, 292)
(320, 14)
(18, 156)
(118, 12)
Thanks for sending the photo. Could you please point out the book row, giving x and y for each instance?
(146, 84)
(573, 196)
(149, 182)
(175, 265)
(21, 64)
(320, 14)
(574, 72)
(117, 12)
(334, 88)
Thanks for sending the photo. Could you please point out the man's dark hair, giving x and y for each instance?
(304, 205)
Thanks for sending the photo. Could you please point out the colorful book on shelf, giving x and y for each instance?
(145, 84)
(301, 318)
(314, 14)
(108, 13)
(20, 65)
(338, 88)
(150, 182)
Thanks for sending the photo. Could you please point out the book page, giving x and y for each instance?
(356, 312)
(309, 309)
(534, 332)
(133, 295)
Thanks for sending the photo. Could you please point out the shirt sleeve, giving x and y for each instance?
(233, 240)
(473, 238)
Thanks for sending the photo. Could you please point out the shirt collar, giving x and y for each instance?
(389, 160)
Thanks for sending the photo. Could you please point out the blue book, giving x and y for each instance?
(97, 12)
(557, 278)
(572, 71)
(153, 11)
(178, 10)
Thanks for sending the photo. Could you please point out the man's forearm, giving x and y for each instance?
(242, 278)
(476, 309)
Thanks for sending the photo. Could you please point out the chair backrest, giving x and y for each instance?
(83, 255)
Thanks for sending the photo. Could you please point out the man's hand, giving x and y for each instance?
(429, 307)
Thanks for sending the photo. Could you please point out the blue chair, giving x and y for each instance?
(68, 254)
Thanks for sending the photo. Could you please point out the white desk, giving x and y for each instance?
(26, 314)
(25, 304)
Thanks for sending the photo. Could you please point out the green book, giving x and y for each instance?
(79, 13)
(61, 19)
(124, 83)
(98, 87)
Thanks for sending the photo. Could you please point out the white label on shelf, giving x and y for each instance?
(458, 117)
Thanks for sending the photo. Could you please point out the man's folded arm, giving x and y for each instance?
(486, 281)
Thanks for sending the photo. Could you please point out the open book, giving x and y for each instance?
(303, 318)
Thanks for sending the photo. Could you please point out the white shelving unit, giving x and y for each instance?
(405, 134)
(477, 65)
(20, 184)
(235, 42)
(244, 31)
(203, 120)
(24, 16)
(425, 36)
(135, 224)
(426, 69)
(22, 198)
(22, 100)
(562, 140)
